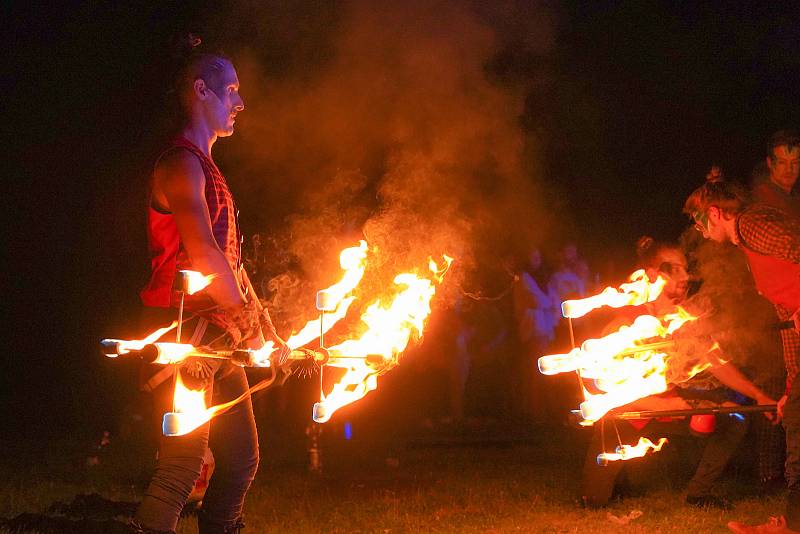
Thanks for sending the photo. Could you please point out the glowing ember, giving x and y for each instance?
(628, 452)
(634, 293)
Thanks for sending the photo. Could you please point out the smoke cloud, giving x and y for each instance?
(731, 310)
(398, 124)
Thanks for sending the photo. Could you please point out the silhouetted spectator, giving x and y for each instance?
(536, 312)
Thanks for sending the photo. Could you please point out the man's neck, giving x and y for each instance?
(201, 137)
(781, 187)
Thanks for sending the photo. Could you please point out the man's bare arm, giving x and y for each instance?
(267, 328)
(731, 377)
(734, 379)
(180, 185)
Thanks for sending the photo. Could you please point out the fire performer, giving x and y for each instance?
(774, 186)
(193, 224)
(668, 261)
(770, 240)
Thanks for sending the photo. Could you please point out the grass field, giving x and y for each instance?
(487, 478)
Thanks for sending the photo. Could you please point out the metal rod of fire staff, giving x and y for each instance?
(715, 410)
(153, 353)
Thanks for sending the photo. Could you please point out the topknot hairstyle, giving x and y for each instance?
(193, 61)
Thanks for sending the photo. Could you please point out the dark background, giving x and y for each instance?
(642, 98)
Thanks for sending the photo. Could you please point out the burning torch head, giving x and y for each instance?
(171, 424)
(112, 347)
(190, 282)
(326, 301)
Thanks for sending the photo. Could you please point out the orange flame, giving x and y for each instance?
(174, 352)
(336, 299)
(628, 452)
(124, 346)
(638, 291)
(389, 329)
(623, 369)
(190, 409)
(353, 262)
(193, 281)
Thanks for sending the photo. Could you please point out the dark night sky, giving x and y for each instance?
(642, 97)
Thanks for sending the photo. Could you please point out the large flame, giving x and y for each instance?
(389, 328)
(190, 408)
(335, 300)
(624, 367)
(634, 293)
(353, 262)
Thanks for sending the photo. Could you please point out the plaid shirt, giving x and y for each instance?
(772, 232)
(769, 231)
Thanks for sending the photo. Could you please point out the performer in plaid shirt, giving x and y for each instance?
(770, 239)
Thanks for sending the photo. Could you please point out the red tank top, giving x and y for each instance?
(776, 279)
(167, 254)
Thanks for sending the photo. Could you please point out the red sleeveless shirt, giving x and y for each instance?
(776, 279)
(167, 253)
(764, 237)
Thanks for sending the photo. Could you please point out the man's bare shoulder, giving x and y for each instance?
(179, 166)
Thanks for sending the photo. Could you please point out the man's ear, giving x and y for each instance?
(769, 162)
(200, 89)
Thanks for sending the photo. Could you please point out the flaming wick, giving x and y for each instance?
(628, 452)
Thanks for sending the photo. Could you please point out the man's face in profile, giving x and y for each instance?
(226, 103)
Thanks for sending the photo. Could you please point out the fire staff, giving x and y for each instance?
(770, 240)
(193, 224)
